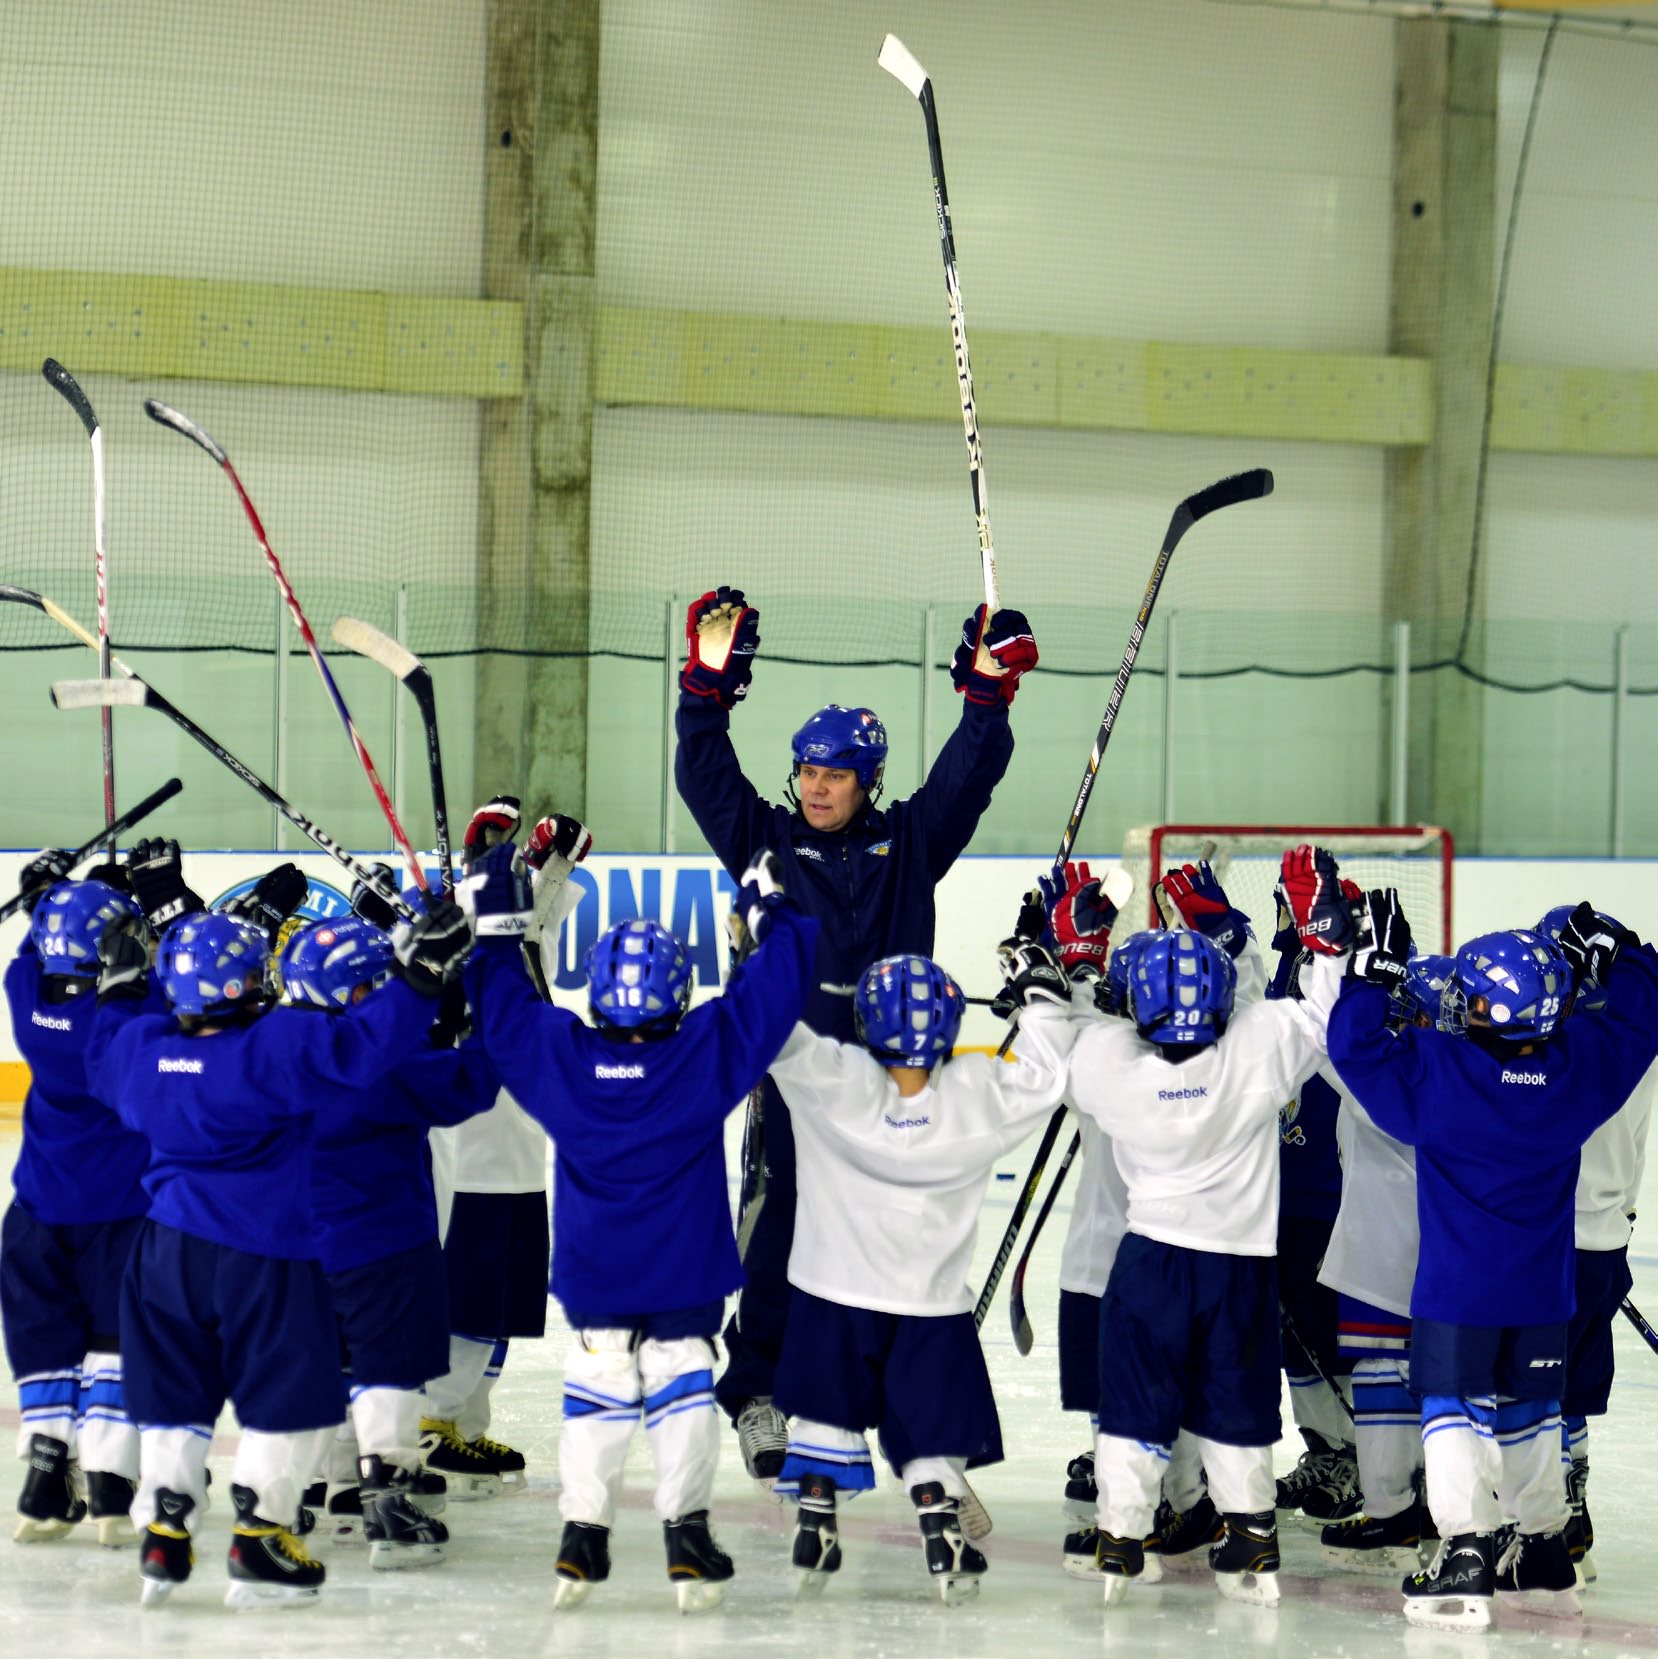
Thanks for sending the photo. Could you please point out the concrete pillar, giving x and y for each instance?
(1441, 307)
(533, 569)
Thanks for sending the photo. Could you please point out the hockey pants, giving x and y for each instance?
(1490, 1444)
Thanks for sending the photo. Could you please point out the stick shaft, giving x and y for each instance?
(1022, 1332)
(1021, 1209)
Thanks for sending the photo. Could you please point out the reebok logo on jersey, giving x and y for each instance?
(1523, 1076)
(38, 1018)
(905, 1123)
(1199, 1093)
(618, 1074)
(813, 853)
(192, 1066)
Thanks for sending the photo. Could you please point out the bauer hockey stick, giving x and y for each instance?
(1243, 486)
(62, 381)
(167, 416)
(133, 815)
(899, 62)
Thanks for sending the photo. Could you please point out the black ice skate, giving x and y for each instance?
(1320, 1466)
(268, 1564)
(1120, 1562)
(1081, 1492)
(1381, 1546)
(108, 1498)
(469, 1474)
(763, 1436)
(164, 1555)
(817, 1545)
(342, 1514)
(1177, 1534)
(1454, 1590)
(583, 1561)
(697, 1567)
(1580, 1530)
(1333, 1494)
(428, 1489)
(506, 1462)
(400, 1534)
(315, 1495)
(1245, 1561)
(47, 1506)
(1535, 1569)
(956, 1566)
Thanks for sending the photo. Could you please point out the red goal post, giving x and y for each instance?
(1415, 858)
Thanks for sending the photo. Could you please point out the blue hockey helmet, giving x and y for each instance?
(324, 963)
(1422, 993)
(1111, 994)
(638, 976)
(211, 963)
(907, 1011)
(1515, 983)
(1180, 987)
(72, 918)
(850, 738)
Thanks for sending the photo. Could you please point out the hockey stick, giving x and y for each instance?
(1024, 1334)
(1243, 486)
(167, 416)
(899, 62)
(133, 815)
(1636, 1318)
(370, 642)
(62, 381)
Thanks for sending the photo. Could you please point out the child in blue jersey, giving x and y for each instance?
(375, 1219)
(224, 1296)
(1497, 1118)
(70, 1227)
(643, 1250)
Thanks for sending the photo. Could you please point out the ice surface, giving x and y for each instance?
(493, 1595)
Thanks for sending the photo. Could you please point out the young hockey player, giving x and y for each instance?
(1497, 1118)
(223, 1295)
(891, 1131)
(866, 872)
(644, 1253)
(375, 1222)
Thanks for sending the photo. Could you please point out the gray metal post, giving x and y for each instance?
(1171, 680)
(670, 701)
(1398, 782)
(929, 658)
(279, 749)
(1620, 699)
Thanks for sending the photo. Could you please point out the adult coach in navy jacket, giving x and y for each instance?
(866, 872)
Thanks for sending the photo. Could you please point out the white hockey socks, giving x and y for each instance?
(1240, 1477)
(1129, 1474)
(1533, 1489)
(949, 1472)
(822, 1449)
(473, 1420)
(48, 1403)
(682, 1422)
(1315, 1405)
(602, 1399)
(1183, 1482)
(1387, 1434)
(175, 1458)
(1464, 1467)
(107, 1439)
(275, 1467)
(387, 1424)
(469, 1358)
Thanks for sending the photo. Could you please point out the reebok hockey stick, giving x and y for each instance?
(899, 62)
(167, 416)
(133, 815)
(62, 381)
(370, 642)
(1243, 486)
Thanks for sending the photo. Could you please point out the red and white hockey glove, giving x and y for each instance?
(722, 631)
(993, 655)
(1080, 917)
(558, 836)
(495, 821)
(1322, 912)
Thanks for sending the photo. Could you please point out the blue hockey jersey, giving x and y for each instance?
(641, 1206)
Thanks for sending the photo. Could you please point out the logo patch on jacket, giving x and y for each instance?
(813, 853)
(880, 849)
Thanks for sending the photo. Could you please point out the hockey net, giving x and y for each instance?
(1414, 858)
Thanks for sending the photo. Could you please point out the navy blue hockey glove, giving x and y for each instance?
(111, 874)
(125, 960)
(41, 874)
(1323, 912)
(994, 654)
(498, 895)
(453, 1024)
(157, 869)
(272, 899)
(432, 949)
(371, 903)
(1030, 973)
(1196, 894)
(1033, 914)
(1080, 918)
(1590, 943)
(759, 898)
(722, 634)
(1383, 957)
(494, 822)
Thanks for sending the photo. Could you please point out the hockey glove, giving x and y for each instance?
(557, 837)
(273, 899)
(432, 949)
(497, 894)
(1080, 917)
(993, 654)
(1198, 898)
(760, 897)
(1323, 913)
(42, 873)
(494, 822)
(722, 632)
(453, 1024)
(111, 875)
(1030, 973)
(125, 961)
(157, 869)
(1382, 961)
(1590, 943)
(371, 903)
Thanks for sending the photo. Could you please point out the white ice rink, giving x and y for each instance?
(493, 1595)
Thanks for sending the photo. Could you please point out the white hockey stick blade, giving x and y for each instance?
(169, 416)
(90, 694)
(899, 62)
(1118, 887)
(368, 641)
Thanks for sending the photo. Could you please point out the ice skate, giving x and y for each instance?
(583, 1561)
(1580, 1530)
(1317, 1465)
(1333, 1494)
(763, 1436)
(1535, 1570)
(817, 1548)
(315, 1495)
(1454, 1590)
(956, 1566)
(269, 1566)
(697, 1567)
(470, 1475)
(108, 1499)
(1080, 1551)
(1381, 1546)
(47, 1506)
(1245, 1561)
(165, 1557)
(1081, 1493)
(428, 1489)
(400, 1534)
(1120, 1562)
(342, 1515)
(506, 1462)
(1178, 1534)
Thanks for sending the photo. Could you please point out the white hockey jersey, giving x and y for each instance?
(1099, 1214)
(888, 1188)
(1610, 1170)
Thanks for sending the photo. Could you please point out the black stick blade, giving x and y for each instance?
(1242, 486)
(61, 380)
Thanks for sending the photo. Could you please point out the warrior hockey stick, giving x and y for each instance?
(1636, 1318)
(370, 642)
(133, 815)
(899, 62)
(167, 416)
(62, 381)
